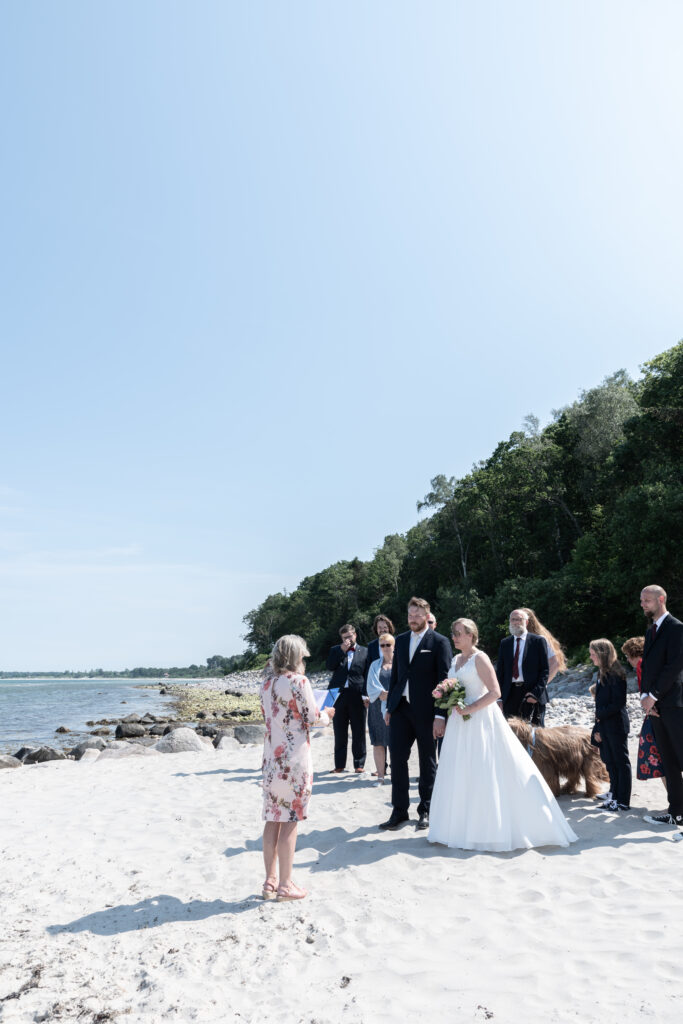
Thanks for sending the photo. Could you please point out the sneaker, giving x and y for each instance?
(677, 837)
(606, 803)
(605, 796)
(610, 805)
(624, 807)
(664, 819)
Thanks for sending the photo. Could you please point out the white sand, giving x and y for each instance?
(129, 892)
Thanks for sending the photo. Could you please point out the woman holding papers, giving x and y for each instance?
(290, 712)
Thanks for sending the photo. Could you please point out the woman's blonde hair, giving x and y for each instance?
(606, 654)
(385, 637)
(534, 625)
(469, 626)
(288, 653)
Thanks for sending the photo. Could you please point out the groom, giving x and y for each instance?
(422, 659)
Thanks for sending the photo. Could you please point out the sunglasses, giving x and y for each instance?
(386, 645)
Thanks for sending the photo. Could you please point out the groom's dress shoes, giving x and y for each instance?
(395, 821)
(423, 822)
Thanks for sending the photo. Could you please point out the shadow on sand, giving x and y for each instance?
(152, 913)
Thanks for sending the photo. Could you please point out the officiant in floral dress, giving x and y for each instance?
(289, 712)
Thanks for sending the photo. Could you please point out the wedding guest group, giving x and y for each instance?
(662, 696)
(348, 663)
(487, 793)
(522, 671)
(289, 712)
(422, 658)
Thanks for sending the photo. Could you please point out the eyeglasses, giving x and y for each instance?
(386, 645)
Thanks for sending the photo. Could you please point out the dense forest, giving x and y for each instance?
(215, 666)
(572, 520)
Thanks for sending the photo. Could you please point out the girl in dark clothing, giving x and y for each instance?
(611, 722)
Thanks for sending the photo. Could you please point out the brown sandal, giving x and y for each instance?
(286, 893)
(269, 891)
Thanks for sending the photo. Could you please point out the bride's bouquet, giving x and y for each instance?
(450, 694)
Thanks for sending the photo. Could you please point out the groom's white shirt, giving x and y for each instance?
(415, 639)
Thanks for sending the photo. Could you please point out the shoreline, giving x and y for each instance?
(212, 709)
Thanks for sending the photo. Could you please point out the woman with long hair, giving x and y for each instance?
(611, 722)
(556, 659)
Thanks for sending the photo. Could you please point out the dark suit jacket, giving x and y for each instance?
(534, 667)
(373, 653)
(337, 664)
(662, 665)
(610, 705)
(429, 666)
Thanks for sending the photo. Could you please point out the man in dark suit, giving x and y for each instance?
(348, 663)
(422, 659)
(661, 697)
(522, 671)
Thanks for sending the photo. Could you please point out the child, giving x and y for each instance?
(611, 722)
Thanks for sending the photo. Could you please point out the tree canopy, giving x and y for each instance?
(572, 520)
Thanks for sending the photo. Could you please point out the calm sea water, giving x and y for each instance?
(31, 709)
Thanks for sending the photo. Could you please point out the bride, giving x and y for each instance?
(488, 794)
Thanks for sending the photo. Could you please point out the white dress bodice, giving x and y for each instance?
(469, 677)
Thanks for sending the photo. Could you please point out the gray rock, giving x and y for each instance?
(92, 744)
(180, 741)
(250, 733)
(127, 750)
(157, 730)
(131, 718)
(103, 731)
(128, 729)
(171, 726)
(62, 728)
(90, 755)
(43, 754)
(23, 751)
(7, 761)
(226, 742)
(207, 730)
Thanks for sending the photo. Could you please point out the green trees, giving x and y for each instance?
(572, 520)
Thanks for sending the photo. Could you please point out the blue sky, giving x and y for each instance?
(268, 268)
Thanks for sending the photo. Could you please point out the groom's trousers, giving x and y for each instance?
(407, 726)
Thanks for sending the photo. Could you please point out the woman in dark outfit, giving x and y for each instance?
(611, 722)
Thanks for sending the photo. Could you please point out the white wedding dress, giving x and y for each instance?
(488, 793)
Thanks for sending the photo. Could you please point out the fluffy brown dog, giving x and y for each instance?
(563, 750)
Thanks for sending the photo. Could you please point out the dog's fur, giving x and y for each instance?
(563, 750)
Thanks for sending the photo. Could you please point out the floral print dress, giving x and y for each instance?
(289, 711)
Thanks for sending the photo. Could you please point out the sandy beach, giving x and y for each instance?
(129, 892)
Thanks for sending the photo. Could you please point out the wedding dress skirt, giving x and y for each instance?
(488, 793)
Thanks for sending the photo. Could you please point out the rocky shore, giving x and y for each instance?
(220, 713)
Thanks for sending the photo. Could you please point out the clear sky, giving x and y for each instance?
(266, 268)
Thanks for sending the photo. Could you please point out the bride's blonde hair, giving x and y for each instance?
(469, 626)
